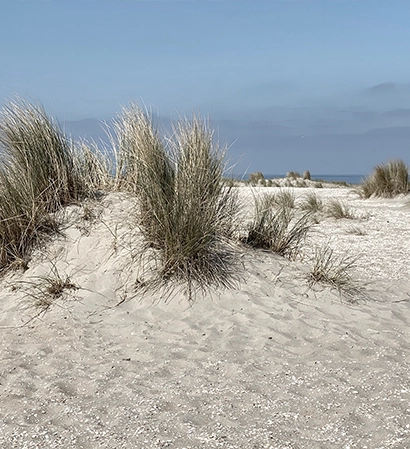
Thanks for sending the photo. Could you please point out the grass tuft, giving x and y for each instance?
(277, 228)
(186, 210)
(387, 180)
(356, 230)
(311, 203)
(293, 175)
(41, 170)
(284, 198)
(334, 271)
(93, 168)
(37, 176)
(257, 179)
(338, 210)
(45, 290)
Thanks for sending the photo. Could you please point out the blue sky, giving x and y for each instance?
(291, 84)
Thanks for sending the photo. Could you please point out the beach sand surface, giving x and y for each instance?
(270, 363)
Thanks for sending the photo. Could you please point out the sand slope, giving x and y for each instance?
(270, 363)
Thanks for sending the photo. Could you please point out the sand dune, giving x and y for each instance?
(270, 363)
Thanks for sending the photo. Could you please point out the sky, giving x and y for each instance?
(288, 85)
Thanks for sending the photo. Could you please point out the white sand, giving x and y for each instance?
(269, 364)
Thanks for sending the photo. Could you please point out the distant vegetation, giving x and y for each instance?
(387, 180)
(256, 178)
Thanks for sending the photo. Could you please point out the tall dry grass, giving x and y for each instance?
(40, 171)
(36, 152)
(37, 176)
(186, 210)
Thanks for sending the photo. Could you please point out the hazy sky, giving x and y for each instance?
(292, 84)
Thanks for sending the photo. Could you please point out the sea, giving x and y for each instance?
(349, 179)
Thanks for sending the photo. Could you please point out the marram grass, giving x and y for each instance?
(277, 227)
(387, 180)
(40, 171)
(187, 212)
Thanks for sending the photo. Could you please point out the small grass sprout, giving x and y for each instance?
(45, 290)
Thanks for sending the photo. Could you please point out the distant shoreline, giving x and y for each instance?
(350, 179)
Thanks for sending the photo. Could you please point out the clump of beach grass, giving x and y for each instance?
(338, 209)
(38, 175)
(311, 203)
(257, 179)
(94, 168)
(186, 211)
(293, 175)
(283, 198)
(277, 228)
(45, 290)
(334, 270)
(387, 180)
(306, 175)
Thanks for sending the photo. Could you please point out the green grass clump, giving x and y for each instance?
(387, 180)
(186, 210)
(37, 176)
(277, 228)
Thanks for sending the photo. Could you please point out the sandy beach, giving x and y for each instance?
(271, 363)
